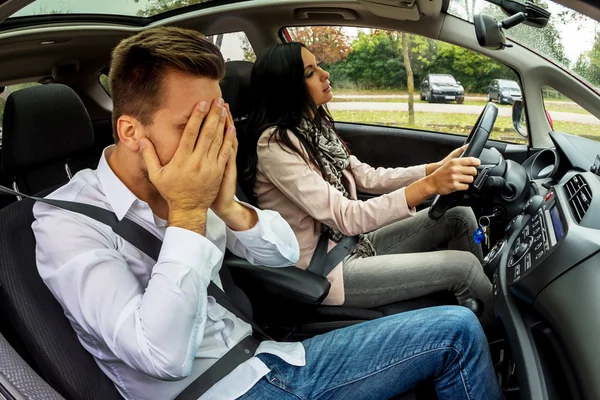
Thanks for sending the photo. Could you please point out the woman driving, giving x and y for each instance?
(300, 167)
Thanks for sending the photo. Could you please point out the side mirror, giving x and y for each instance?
(519, 118)
(458, 82)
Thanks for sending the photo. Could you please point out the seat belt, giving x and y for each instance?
(149, 244)
(323, 262)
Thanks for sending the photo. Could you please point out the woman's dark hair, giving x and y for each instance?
(280, 99)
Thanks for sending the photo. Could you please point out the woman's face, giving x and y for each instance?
(317, 79)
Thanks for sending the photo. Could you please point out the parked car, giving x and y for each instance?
(442, 88)
(504, 91)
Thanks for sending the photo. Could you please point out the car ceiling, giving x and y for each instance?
(23, 54)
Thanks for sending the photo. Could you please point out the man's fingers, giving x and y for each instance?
(208, 133)
(219, 136)
(150, 158)
(229, 146)
(192, 129)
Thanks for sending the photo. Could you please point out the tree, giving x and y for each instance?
(160, 6)
(410, 80)
(376, 60)
(247, 49)
(329, 44)
(588, 63)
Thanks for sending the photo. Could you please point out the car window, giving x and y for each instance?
(567, 116)
(4, 93)
(104, 82)
(370, 80)
(234, 46)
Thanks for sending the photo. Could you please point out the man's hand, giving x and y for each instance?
(235, 215)
(190, 182)
(431, 168)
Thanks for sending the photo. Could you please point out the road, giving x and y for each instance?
(405, 96)
(452, 109)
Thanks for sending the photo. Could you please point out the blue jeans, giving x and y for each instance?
(383, 358)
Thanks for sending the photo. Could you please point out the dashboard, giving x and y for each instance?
(546, 277)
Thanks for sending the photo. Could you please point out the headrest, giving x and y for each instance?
(236, 87)
(42, 124)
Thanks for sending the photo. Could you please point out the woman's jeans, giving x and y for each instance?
(385, 357)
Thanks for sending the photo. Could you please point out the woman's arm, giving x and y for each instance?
(307, 189)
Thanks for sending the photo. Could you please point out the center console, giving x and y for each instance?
(532, 253)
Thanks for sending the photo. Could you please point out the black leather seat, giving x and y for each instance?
(44, 126)
(288, 299)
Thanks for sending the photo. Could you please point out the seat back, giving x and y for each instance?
(38, 319)
(43, 127)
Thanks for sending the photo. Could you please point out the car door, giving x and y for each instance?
(424, 87)
(496, 90)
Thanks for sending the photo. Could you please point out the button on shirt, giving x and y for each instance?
(150, 324)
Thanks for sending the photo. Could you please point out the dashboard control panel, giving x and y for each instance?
(537, 237)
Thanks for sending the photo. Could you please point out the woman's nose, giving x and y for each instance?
(326, 75)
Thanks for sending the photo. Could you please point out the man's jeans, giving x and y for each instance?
(382, 358)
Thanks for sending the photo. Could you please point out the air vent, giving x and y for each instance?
(580, 196)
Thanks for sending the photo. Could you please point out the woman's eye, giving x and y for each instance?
(311, 73)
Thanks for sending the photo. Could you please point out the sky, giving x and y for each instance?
(577, 37)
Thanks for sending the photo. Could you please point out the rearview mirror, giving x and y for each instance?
(519, 118)
(489, 32)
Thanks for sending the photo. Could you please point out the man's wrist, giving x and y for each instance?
(193, 220)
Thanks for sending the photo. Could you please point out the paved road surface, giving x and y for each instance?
(453, 109)
(405, 96)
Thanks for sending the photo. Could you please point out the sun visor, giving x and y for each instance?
(407, 10)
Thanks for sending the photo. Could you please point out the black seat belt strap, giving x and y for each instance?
(323, 262)
(243, 351)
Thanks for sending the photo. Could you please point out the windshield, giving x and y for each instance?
(140, 8)
(442, 79)
(570, 39)
(509, 85)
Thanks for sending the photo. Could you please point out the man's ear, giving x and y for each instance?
(129, 130)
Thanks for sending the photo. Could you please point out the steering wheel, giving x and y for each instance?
(476, 141)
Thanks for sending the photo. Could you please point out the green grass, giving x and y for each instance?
(456, 123)
(566, 107)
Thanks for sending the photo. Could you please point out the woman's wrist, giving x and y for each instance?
(431, 168)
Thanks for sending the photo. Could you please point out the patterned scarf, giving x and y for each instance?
(334, 158)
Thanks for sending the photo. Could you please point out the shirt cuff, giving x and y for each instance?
(403, 205)
(272, 228)
(189, 249)
(421, 170)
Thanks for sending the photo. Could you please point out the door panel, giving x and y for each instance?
(381, 146)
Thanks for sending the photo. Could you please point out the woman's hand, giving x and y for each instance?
(457, 174)
(431, 168)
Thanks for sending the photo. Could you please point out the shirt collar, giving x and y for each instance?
(119, 197)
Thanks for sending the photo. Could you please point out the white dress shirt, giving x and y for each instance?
(151, 326)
